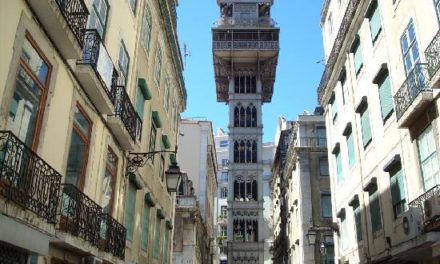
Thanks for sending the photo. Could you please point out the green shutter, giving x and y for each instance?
(351, 152)
(339, 174)
(166, 247)
(397, 185)
(366, 129)
(358, 59)
(145, 226)
(376, 220)
(358, 222)
(334, 109)
(156, 119)
(166, 142)
(140, 102)
(375, 25)
(156, 251)
(385, 96)
(129, 210)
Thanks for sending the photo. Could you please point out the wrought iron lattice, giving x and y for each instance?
(432, 55)
(79, 215)
(27, 179)
(92, 42)
(416, 82)
(76, 14)
(137, 160)
(12, 255)
(337, 46)
(112, 236)
(124, 110)
(419, 201)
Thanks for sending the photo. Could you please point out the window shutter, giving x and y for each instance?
(339, 174)
(376, 221)
(140, 103)
(375, 25)
(144, 239)
(351, 154)
(366, 129)
(358, 59)
(385, 96)
(129, 210)
(334, 109)
(395, 192)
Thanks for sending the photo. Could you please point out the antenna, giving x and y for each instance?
(186, 53)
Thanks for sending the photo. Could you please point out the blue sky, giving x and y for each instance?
(298, 72)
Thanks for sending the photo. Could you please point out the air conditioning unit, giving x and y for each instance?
(91, 260)
(432, 207)
(410, 225)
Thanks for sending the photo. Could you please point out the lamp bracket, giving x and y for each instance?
(136, 160)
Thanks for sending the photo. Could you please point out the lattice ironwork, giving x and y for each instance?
(79, 215)
(416, 82)
(124, 109)
(337, 46)
(419, 201)
(246, 45)
(433, 223)
(76, 14)
(432, 55)
(27, 179)
(137, 160)
(112, 236)
(12, 255)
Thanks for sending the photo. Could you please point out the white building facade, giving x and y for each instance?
(379, 91)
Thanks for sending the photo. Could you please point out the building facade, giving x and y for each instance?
(83, 86)
(379, 91)
(222, 147)
(245, 54)
(198, 159)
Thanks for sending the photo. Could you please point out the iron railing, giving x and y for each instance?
(125, 110)
(337, 46)
(311, 142)
(246, 21)
(27, 179)
(420, 201)
(430, 224)
(416, 82)
(79, 215)
(95, 54)
(258, 45)
(246, 35)
(186, 201)
(432, 55)
(76, 14)
(112, 236)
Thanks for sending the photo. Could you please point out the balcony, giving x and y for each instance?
(95, 72)
(429, 203)
(65, 22)
(414, 96)
(246, 22)
(81, 217)
(186, 202)
(311, 142)
(124, 122)
(26, 179)
(432, 55)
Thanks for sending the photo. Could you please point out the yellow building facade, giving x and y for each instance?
(84, 84)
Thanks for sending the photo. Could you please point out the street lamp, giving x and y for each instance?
(311, 236)
(173, 175)
(323, 249)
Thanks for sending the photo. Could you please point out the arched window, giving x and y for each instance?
(254, 117)
(254, 152)
(248, 152)
(236, 152)
(248, 116)
(236, 117)
(254, 190)
(253, 84)
(236, 191)
(224, 193)
(242, 117)
(237, 84)
(241, 151)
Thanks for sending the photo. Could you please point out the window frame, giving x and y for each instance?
(158, 65)
(153, 139)
(320, 160)
(103, 24)
(322, 195)
(114, 174)
(131, 187)
(123, 48)
(133, 8)
(374, 10)
(411, 44)
(147, 23)
(145, 227)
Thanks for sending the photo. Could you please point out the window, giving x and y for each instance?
(162, 168)
(245, 83)
(357, 56)
(79, 149)
(225, 162)
(321, 138)
(132, 4)
(323, 166)
(166, 97)
(350, 148)
(123, 60)
(224, 192)
(158, 66)
(156, 251)
(410, 49)
(98, 16)
(428, 158)
(224, 177)
(374, 19)
(333, 107)
(166, 247)
(108, 183)
(145, 227)
(130, 204)
(224, 212)
(326, 205)
(339, 170)
(397, 186)
(245, 151)
(152, 145)
(245, 190)
(385, 96)
(345, 236)
(140, 102)
(26, 106)
(330, 24)
(146, 30)
(358, 222)
(375, 214)
(224, 143)
(344, 86)
(223, 231)
(365, 126)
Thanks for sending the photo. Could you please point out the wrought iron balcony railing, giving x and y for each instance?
(245, 21)
(95, 54)
(311, 142)
(76, 14)
(416, 82)
(183, 201)
(26, 179)
(125, 110)
(79, 215)
(112, 236)
(420, 202)
(250, 44)
(432, 54)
